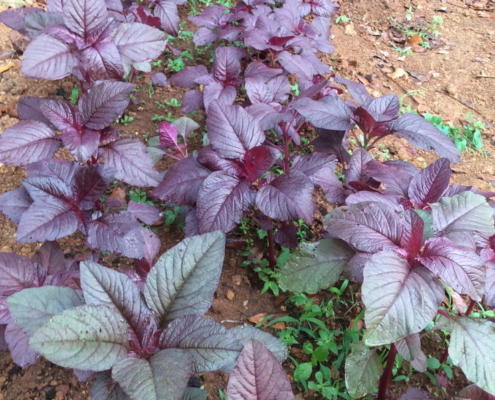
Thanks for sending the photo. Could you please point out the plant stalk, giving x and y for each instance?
(387, 373)
(470, 308)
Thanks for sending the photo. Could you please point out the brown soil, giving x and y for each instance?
(454, 77)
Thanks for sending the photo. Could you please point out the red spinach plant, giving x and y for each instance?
(408, 242)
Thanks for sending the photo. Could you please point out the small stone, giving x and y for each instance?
(488, 170)
(420, 159)
(230, 295)
(53, 383)
(62, 388)
(237, 280)
(2, 380)
(245, 303)
(60, 396)
(6, 249)
(451, 89)
(349, 30)
(1, 396)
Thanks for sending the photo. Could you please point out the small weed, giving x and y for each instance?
(159, 118)
(139, 196)
(173, 102)
(125, 120)
(74, 94)
(342, 18)
(465, 138)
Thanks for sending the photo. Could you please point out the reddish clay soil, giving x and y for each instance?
(455, 76)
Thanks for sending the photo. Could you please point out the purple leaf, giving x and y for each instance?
(421, 133)
(168, 135)
(159, 78)
(83, 144)
(186, 78)
(35, 23)
(459, 266)
(14, 203)
(61, 114)
(332, 142)
(117, 233)
(105, 388)
(48, 219)
(357, 90)
(356, 171)
(29, 108)
(166, 10)
(287, 198)
(286, 236)
(144, 212)
(192, 101)
(394, 180)
(90, 183)
(399, 300)
(85, 17)
(132, 162)
(14, 18)
(27, 142)
(428, 186)
(414, 393)
(102, 61)
(258, 375)
(232, 131)
(303, 68)
(182, 182)
(226, 64)
(458, 217)
(368, 227)
(318, 167)
(211, 160)
(473, 392)
(328, 113)
(385, 107)
(151, 245)
(259, 160)
(51, 257)
(16, 273)
(105, 286)
(488, 255)
(223, 95)
(258, 71)
(210, 344)
(104, 102)
(222, 201)
(192, 223)
(18, 342)
(47, 57)
(365, 196)
(410, 350)
(412, 234)
(138, 42)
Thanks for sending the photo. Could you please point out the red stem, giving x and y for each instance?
(470, 308)
(387, 373)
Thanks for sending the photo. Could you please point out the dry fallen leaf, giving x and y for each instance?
(399, 72)
(6, 66)
(459, 303)
(260, 319)
(414, 39)
(120, 195)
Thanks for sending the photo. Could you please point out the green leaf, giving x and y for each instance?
(194, 394)
(363, 369)
(303, 372)
(183, 280)
(470, 347)
(315, 266)
(32, 307)
(86, 337)
(320, 353)
(163, 377)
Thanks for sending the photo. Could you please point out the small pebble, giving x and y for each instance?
(230, 295)
(237, 280)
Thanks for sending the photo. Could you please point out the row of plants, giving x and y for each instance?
(407, 236)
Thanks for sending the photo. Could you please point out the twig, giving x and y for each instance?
(457, 5)
(485, 76)
(460, 102)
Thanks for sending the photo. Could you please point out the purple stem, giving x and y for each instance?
(271, 250)
(387, 373)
